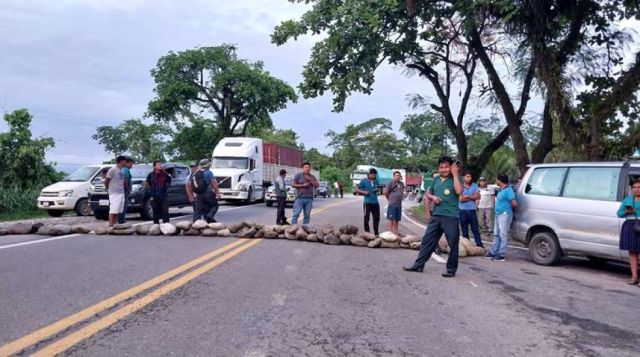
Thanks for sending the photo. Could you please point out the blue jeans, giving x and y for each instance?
(470, 218)
(501, 234)
(302, 204)
(123, 215)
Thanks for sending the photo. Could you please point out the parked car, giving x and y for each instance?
(570, 209)
(139, 197)
(323, 190)
(270, 196)
(70, 193)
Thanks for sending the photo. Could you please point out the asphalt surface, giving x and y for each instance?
(284, 297)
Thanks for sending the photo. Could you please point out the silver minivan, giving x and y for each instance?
(570, 209)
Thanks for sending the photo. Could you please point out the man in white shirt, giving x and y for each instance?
(486, 207)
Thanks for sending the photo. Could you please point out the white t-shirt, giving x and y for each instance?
(486, 198)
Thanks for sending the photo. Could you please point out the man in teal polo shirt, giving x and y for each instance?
(444, 193)
(369, 189)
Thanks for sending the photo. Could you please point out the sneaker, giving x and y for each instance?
(489, 256)
(498, 259)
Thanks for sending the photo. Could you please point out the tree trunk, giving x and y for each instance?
(545, 145)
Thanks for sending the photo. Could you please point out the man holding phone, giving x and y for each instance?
(305, 184)
(369, 189)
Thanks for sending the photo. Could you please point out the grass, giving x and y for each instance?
(418, 212)
(19, 215)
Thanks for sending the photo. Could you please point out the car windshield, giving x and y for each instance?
(82, 174)
(230, 163)
(140, 171)
(359, 176)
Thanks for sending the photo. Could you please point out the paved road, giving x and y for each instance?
(277, 297)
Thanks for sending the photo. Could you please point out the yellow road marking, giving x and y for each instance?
(101, 324)
(328, 206)
(60, 325)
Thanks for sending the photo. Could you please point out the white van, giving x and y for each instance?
(71, 193)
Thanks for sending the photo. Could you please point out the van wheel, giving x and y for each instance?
(55, 213)
(544, 248)
(146, 212)
(83, 208)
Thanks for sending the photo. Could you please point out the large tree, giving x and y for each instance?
(426, 137)
(213, 84)
(144, 142)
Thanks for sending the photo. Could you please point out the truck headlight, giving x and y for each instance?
(242, 186)
(65, 193)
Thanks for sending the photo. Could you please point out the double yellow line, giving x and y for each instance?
(223, 254)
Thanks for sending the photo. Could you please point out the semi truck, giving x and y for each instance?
(246, 167)
(360, 173)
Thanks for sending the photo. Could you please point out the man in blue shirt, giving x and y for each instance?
(468, 216)
(206, 205)
(369, 189)
(505, 203)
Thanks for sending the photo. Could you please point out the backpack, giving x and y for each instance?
(197, 180)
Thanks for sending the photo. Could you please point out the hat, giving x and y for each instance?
(195, 164)
(481, 179)
(204, 164)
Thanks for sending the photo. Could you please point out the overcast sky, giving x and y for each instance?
(79, 64)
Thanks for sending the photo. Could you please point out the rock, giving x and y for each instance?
(329, 229)
(312, 237)
(183, 225)
(100, 231)
(404, 245)
(345, 239)
(259, 226)
(80, 229)
(207, 232)
(469, 248)
(3, 231)
(224, 233)
(281, 236)
(123, 232)
(44, 230)
(109, 230)
(217, 226)
(154, 230)
(235, 227)
(358, 241)
(291, 232)
(389, 237)
(331, 240)
(142, 230)
(247, 232)
(248, 223)
(280, 229)
(19, 228)
(367, 236)
(349, 229)
(168, 229)
(309, 229)
(415, 245)
(192, 232)
(120, 226)
(320, 235)
(259, 233)
(301, 234)
(200, 224)
(443, 245)
(271, 235)
(60, 230)
(410, 239)
(36, 226)
(385, 244)
(375, 243)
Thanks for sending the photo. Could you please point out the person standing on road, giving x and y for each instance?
(468, 215)
(189, 189)
(158, 182)
(336, 188)
(280, 191)
(505, 204)
(116, 186)
(205, 187)
(395, 194)
(485, 207)
(304, 183)
(341, 188)
(126, 171)
(629, 238)
(369, 189)
(444, 192)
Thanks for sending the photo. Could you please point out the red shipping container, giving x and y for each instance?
(277, 154)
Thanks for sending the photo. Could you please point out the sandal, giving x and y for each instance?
(633, 282)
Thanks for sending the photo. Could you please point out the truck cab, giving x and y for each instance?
(238, 168)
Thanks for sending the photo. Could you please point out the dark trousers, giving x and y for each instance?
(470, 218)
(160, 208)
(206, 206)
(437, 226)
(280, 218)
(341, 193)
(123, 215)
(372, 209)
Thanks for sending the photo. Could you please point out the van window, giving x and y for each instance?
(182, 172)
(546, 181)
(592, 183)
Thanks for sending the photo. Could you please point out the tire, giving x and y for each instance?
(249, 194)
(55, 213)
(146, 211)
(101, 215)
(83, 208)
(268, 203)
(544, 248)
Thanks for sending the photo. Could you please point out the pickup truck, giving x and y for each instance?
(270, 196)
(139, 196)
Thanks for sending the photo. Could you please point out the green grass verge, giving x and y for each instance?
(15, 216)
(418, 213)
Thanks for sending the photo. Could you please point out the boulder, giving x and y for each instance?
(224, 233)
(183, 225)
(154, 230)
(280, 229)
(120, 226)
(168, 229)
(281, 236)
(142, 230)
(349, 229)
(291, 232)
(367, 236)
(301, 234)
(332, 239)
(375, 243)
(207, 232)
(259, 226)
(410, 239)
(271, 235)
(123, 232)
(385, 244)
(358, 241)
(247, 232)
(309, 229)
(415, 245)
(192, 232)
(109, 230)
(19, 228)
(3, 231)
(404, 245)
(100, 231)
(44, 230)
(312, 237)
(320, 235)
(443, 245)
(259, 233)
(80, 229)
(329, 229)
(345, 239)
(217, 226)
(60, 230)
(36, 226)
(200, 224)
(235, 227)
(388, 237)
(248, 223)
(469, 248)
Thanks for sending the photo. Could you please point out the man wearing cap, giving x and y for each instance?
(126, 171)
(206, 205)
(505, 204)
(485, 207)
(281, 197)
(190, 193)
(369, 189)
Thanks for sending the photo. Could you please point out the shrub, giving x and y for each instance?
(15, 199)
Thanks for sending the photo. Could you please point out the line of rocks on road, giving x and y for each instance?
(327, 234)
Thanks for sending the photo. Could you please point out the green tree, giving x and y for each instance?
(286, 137)
(502, 162)
(144, 142)
(213, 84)
(319, 160)
(426, 139)
(333, 174)
(195, 141)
